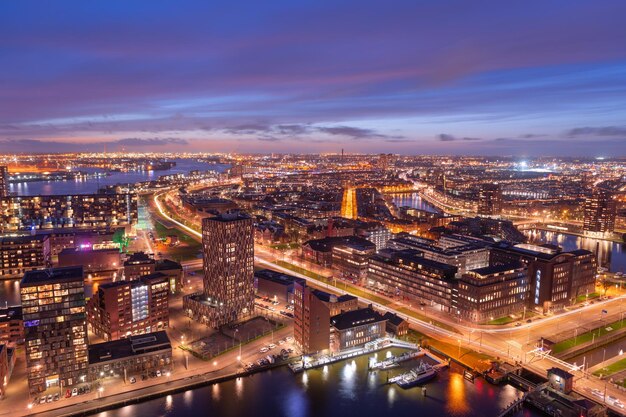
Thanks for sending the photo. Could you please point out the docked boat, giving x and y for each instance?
(423, 373)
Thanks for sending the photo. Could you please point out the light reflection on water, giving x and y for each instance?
(609, 254)
(342, 389)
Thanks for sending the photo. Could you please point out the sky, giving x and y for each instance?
(523, 78)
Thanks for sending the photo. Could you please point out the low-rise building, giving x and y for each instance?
(352, 329)
(99, 263)
(396, 325)
(133, 356)
(276, 285)
(125, 308)
(4, 370)
(19, 254)
(139, 264)
(11, 325)
(493, 292)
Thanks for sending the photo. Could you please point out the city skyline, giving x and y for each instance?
(446, 78)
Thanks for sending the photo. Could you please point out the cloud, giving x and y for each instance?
(598, 131)
(444, 137)
(150, 141)
(355, 132)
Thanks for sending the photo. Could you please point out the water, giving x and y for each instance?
(339, 390)
(413, 200)
(91, 185)
(610, 254)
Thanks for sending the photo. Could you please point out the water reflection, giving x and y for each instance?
(610, 255)
(413, 200)
(457, 399)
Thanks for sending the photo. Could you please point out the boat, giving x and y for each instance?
(423, 373)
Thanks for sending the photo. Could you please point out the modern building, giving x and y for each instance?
(19, 254)
(490, 199)
(357, 328)
(137, 265)
(407, 274)
(98, 263)
(133, 356)
(80, 239)
(493, 292)
(465, 257)
(378, 234)
(599, 213)
(124, 308)
(140, 264)
(228, 254)
(67, 211)
(556, 278)
(351, 260)
(312, 312)
(11, 325)
(55, 327)
(320, 251)
(4, 181)
(276, 285)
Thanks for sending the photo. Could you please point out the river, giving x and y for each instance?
(91, 185)
(339, 390)
(413, 200)
(610, 254)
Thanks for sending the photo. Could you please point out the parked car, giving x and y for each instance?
(74, 392)
(272, 346)
(42, 400)
(132, 380)
(158, 373)
(68, 393)
(264, 349)
(57, 396)
(49, 398)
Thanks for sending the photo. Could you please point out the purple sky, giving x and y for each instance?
(475, 77)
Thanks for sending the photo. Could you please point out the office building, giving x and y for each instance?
(465, 257)
(357, 328)
(19, 254)
(557, 278)
(228, 254)
(351, 260)
(124, 308)
(11, 325)
(409, 275)
(490, 200)
(320, 251)
(493, 292)
(599, 213)
(55, 327)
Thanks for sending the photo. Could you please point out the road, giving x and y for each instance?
(512, 343)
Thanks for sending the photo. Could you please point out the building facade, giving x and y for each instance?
(4, 181)
(99, 263)
(357, 328)
(490, 200)
(407, 274)
(351, 260)
(131, 357)
(599, 213)
(55, 327)
(125, 308)
(67, 211)
(493, 292)
(556, 278)
(19, 254)
(228, 255)
(11, 325)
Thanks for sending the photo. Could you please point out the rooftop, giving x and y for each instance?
(495, 269)
(278, 277)
(360, 317)
(326, 244)
(228, 217)
(68, 273)
(10, 313)
(131, 346)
